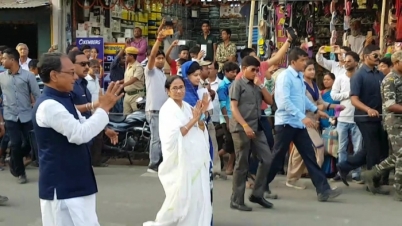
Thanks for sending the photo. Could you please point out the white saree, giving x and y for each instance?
(184, 172)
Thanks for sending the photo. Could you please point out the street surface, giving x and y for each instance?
(128, 196)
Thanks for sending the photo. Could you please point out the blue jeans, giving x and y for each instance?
(155, 150)
(344, 129)
(266, 127)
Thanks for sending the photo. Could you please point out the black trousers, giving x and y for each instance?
(285, 134)
(96, 149)
(18, 133)
(374, 148)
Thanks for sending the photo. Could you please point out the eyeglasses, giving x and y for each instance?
(376, 55)
(253, 69)
(176, 89)
(71, 73)
(83, 64)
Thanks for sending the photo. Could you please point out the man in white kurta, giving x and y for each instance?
(67, 185)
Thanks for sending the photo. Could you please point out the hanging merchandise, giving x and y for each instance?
(262, 28)
(283, 13)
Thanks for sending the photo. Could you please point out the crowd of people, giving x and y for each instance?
(210, 107)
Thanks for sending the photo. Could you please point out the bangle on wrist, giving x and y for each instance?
(159, 39)
(244, 125)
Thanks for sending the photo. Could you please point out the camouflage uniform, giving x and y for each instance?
(391, 91)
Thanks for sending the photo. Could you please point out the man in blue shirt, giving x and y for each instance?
(230, 69)
(291, 123)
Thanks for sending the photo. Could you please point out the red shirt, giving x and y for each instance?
(263, 68)
(173, 67)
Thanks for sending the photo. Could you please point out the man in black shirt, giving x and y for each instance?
(365, 95)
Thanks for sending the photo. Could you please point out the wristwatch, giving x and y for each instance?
(261, 86)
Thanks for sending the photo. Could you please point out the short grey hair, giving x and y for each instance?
(22, 44)
(397, 56)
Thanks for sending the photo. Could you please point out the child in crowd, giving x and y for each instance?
(230, 69)
(33, 67)
(180, 62)
(196, 53)
(183, 54)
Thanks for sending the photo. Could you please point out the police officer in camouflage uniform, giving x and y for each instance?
(391, 90)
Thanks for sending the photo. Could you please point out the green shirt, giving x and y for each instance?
(209, 41)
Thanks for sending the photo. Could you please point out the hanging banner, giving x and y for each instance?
(280, 31)
(96, 43)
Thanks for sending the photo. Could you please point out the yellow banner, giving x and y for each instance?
(113, 48)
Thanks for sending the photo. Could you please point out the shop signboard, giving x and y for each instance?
(94, 43)
(280, 31)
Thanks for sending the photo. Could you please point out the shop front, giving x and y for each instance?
(26, 22)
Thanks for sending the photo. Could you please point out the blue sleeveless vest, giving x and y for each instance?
(63, 166)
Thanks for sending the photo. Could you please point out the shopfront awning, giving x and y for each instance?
(22, 4)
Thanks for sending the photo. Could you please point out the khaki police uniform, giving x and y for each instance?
(135, 90)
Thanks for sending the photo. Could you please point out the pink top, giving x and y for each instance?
(263, 68)
(141, 45)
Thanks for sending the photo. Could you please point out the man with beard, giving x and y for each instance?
(346, 123)
(140, 43)
(83, 101)
(365, 96)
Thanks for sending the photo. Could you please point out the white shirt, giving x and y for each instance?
(341, 92)
(217, 109)
(330, 65)
(25, 64)
(155, 85)
(93, 87)
(52, 114)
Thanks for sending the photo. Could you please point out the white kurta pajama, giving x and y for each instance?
(184, 172)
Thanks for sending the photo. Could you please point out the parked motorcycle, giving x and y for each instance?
(134, 134)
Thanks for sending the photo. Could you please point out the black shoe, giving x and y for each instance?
(329, 195)
(22, 179)
(263, 202)
(342, 174)
(336, 178)
(240, 207)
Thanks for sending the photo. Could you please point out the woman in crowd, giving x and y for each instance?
(296, 166)
(328, 81)
(329, 165)
(184, 172)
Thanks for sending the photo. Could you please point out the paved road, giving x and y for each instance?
(129, 196)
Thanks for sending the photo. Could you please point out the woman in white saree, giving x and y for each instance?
(184, 172)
